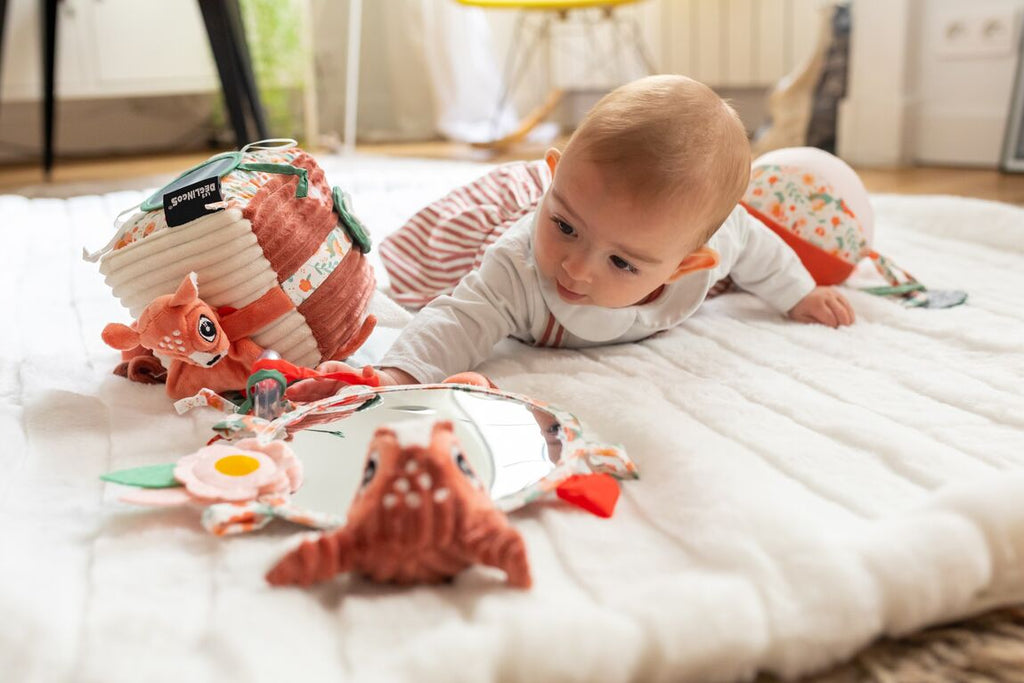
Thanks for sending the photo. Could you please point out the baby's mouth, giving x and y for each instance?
(567, 294)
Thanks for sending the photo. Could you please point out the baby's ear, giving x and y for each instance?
(552, 156)
(704, 258)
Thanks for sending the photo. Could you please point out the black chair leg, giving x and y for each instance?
(218, 30)
(3, 16)
(244, 62)
(49, 69)
(223, 19)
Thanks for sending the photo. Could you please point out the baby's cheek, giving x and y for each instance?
(541, 254)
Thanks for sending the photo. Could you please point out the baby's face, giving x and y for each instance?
(601, 247)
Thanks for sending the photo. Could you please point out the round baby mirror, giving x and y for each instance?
(511, 444)
(307, 465)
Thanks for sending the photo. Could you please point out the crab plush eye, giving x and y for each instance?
(370, 471)
(207, 330)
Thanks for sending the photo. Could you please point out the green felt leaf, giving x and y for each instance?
(332, 432)
(148, 477)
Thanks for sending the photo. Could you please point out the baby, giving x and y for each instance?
(640, 221)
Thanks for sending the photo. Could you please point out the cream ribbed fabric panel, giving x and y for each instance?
(221, 227)
(222, 250)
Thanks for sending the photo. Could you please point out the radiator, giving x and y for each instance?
(724, 43)
(736, 43)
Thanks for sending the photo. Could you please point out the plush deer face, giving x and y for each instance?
(178, 326)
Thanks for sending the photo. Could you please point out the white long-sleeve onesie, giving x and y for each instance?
(507, 296)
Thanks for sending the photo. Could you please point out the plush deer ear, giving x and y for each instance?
(120, 337)
(188, 291)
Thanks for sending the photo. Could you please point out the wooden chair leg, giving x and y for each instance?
(529, 122)
(521, 53)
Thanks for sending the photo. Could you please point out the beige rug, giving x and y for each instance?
(986, 649)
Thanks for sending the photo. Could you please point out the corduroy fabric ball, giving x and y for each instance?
(278, 224)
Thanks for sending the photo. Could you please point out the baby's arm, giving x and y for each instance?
(456, 333)
(452, 334)
(764, 265)
(316, 388)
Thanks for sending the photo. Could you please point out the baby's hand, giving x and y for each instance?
(315, 389)
(823, 305)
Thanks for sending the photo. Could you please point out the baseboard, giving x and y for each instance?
(110, 126)
(958, 138)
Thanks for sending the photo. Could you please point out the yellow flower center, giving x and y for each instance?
(237, 465)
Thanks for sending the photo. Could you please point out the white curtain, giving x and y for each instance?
(427, 68)
(458, 53)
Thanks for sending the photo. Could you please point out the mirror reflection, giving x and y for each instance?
(510, 444)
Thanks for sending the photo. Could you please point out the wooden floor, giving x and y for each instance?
(139, 171)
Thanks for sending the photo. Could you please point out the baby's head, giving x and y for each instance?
(650, 174)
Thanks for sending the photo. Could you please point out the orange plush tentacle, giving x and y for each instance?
(314, 561)
(494, 543)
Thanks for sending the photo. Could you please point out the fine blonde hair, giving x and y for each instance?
(671, 139)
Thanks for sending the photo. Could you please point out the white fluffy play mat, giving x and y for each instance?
(803, 491)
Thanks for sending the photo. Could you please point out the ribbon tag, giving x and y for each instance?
(189, 202)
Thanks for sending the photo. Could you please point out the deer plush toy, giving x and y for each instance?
(189, 339)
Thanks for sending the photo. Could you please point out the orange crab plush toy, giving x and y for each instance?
(190, 340)
(421, 515)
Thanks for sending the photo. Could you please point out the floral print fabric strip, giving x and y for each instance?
(808, 207)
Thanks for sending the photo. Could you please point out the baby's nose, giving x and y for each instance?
(575, 266)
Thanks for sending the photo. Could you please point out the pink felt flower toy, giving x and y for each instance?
(237, 472)
(227, 473)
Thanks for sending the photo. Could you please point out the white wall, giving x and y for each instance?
(330, 27)
(961, 103)
(907, 102)
(910, 101)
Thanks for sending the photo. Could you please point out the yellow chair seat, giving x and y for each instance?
(552, 5)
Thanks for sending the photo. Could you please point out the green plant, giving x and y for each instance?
(274, 34)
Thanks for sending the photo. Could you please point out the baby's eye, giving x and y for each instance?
(622, 264)
(564, 227)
